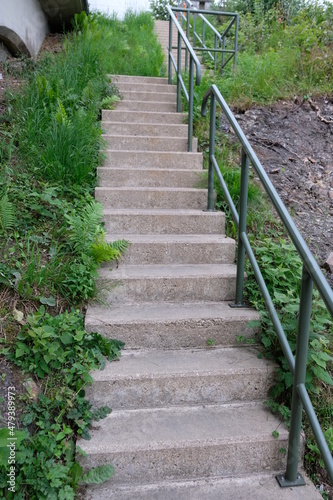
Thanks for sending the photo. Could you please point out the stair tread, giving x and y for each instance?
(159, 312)
(152, 189)
(168, 271)
(195, 362)
(186, 239)
(179, 427)
(262, 486)
(162, 211)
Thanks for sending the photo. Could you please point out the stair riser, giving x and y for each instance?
(200, 223)
(146, 87)
(227, 459)
(148, 178)
(129, 143)
(180, 390)
(178, 334)
(149, 96)
(132, 198)
(151, 159)
(164, 253)
(176, 289)
(142, 117)
(162, 107)
(145, 129)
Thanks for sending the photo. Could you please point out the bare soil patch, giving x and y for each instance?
(294, 142)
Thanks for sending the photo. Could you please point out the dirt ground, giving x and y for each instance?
(294, 142)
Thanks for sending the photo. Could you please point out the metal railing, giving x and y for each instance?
(186, 10)
(191, 59)
(311, 273)
(194, 61)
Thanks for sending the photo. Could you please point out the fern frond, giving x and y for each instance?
(120, 245)
(6, 213)
(103, 252)
(85, 227)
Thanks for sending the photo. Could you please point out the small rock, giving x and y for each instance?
(32, 389)
(329, 263)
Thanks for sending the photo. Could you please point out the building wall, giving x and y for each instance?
(23, 26)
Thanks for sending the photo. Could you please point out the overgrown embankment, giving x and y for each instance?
(52, 242)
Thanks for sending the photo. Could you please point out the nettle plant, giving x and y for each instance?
(60, 354)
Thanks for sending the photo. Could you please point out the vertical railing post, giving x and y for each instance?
(188, 37)
(203, 32)
(236, 40)
(212, 126)
(194, 19)
(223, 57)
(242, 229)
(291, 476)
(179, 69)
(190, 104)
(215, 53)
(170, 50)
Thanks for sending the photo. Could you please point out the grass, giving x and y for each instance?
(53, 241)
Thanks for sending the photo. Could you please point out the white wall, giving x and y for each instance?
(26, 19)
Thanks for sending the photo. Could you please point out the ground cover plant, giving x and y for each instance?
(52, 242)
(282, 54)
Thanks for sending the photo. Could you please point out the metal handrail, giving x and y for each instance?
(219, 39)
(177, 65)
(311, 273)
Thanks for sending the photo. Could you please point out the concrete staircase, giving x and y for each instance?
(162, 32)
(188, 418)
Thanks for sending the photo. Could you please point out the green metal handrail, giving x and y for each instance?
(311, 273)
(177, 65)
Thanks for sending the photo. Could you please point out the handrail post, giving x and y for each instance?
(236, 40)
(215, 51)
(223, 59)
(188, 37)
(190, 104)
(203, 32)
(179, 69)
(194, 19)
(242, 229)
(291, 476)
(170, 50)
(212, 127)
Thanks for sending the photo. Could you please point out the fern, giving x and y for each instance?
(120, 245)
(85, 227)
(104, 252)
(6, 213)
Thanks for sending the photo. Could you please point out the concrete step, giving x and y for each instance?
(143, 143)
(153, 159)
(149, 177)
(144, 129)
(142, 117)
(177, 325)
(158, 283)
(146, 87)
(262, 486)
(163, 107)
(175, 443)
(159, 97)
(159, 378)
(151, 197)
(126, 221)
(176, 249)
(138, 79)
